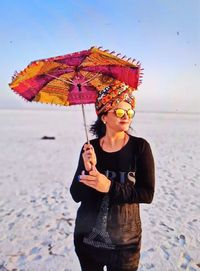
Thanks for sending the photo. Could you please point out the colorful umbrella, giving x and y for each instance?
(75, 78)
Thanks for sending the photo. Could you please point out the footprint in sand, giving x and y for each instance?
(166, 253)
(167, 228)
(182, 240)
(151, 249)
(184, 261)
(34, 250)
(20, 213)
(37, 258)
(2, 267)
(21, 260)
(149, 266)
(11, 225)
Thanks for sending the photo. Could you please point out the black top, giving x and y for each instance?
(131, 171)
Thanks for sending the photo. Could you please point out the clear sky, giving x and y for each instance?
(164, 35)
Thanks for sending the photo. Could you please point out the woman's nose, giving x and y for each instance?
(125, 116)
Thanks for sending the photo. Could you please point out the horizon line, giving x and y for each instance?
(138, 111)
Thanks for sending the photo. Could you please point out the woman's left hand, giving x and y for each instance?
(96, 180)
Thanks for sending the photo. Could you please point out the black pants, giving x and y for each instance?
(94, 259)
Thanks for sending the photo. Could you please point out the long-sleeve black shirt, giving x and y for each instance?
(131, 171)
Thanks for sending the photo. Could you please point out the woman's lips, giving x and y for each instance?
(124, 122)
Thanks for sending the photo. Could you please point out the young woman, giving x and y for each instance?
(115, 173)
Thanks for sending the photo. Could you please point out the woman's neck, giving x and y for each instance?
(112, 138)
(112, 142)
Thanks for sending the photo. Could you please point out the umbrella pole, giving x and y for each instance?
(84, 120)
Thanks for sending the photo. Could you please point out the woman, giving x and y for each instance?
(115, 173)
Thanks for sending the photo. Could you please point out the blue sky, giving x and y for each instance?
(163, 34)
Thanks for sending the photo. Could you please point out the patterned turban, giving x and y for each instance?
(110, 96)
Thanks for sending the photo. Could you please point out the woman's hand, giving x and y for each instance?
(89, 157)
(96, 180)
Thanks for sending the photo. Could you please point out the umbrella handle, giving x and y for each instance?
(84, 120)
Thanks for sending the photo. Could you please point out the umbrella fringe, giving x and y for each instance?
(23, 72)
(16, 73)
(51, 103)
(124, 57)
(20, 95)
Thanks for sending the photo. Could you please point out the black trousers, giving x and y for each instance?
(94, 259)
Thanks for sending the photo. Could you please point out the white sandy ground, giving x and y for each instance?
(37, 212)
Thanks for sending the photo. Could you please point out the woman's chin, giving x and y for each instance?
(124, 124)
(124, 128)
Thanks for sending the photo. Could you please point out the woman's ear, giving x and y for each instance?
(103, 118)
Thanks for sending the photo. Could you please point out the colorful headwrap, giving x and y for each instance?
(110, 96)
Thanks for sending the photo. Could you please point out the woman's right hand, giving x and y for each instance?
(89, 157)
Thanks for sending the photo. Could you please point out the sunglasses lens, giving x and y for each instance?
(131, 113)
(120, 112)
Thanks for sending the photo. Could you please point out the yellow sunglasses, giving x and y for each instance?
(120, 112)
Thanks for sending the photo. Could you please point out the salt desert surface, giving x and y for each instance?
(37, 212)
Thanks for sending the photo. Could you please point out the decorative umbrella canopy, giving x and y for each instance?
(75, 78)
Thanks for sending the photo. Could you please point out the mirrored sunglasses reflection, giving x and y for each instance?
(120, 113)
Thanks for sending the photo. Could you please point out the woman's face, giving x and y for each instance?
(115, 123)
